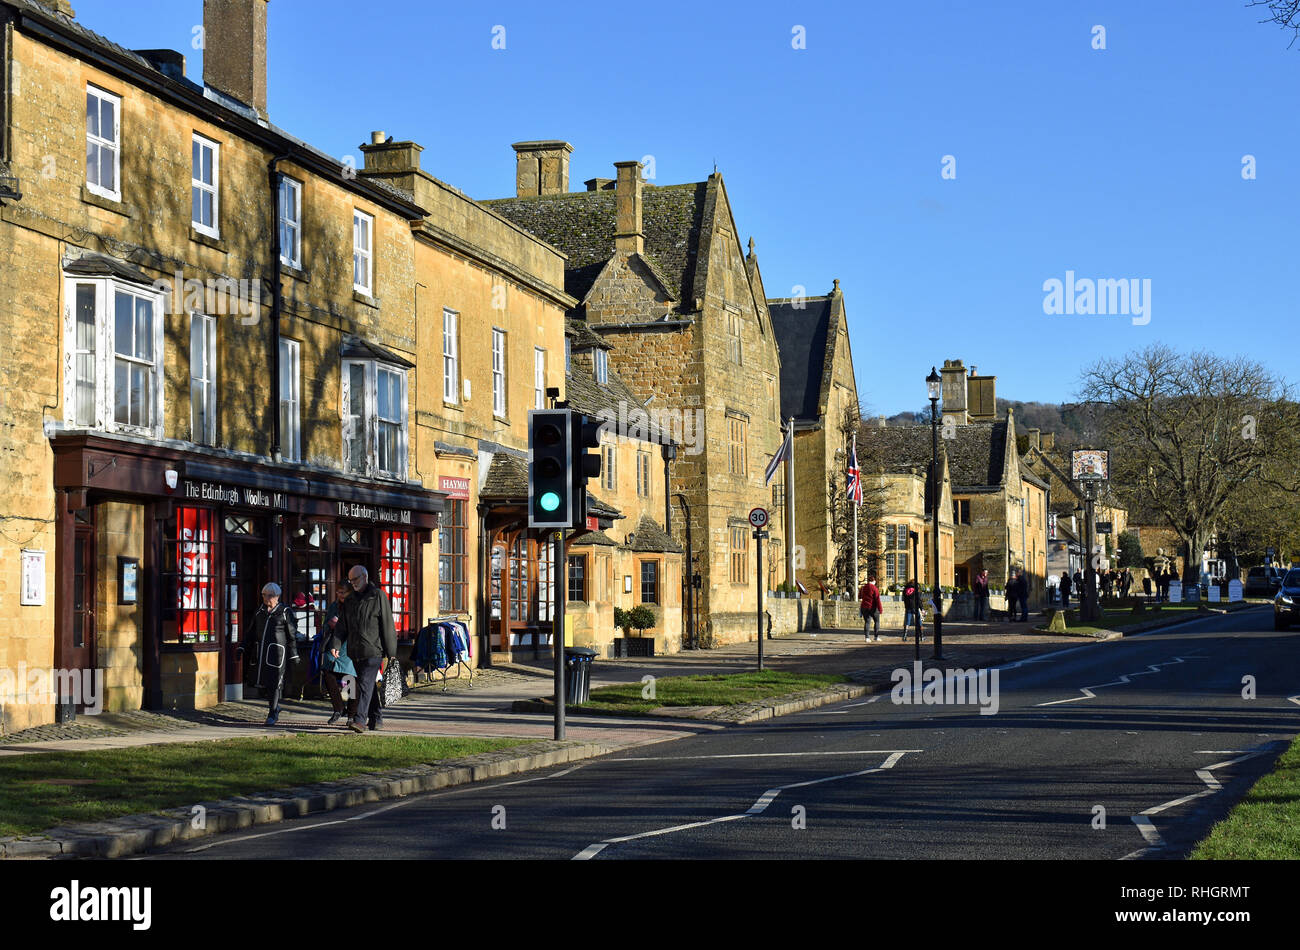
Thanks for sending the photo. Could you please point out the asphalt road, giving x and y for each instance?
(1152, 727)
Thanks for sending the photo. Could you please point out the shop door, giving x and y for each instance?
(246, 573)
(84, 641)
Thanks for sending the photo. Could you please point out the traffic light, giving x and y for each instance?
(585, 434)
(550, 469)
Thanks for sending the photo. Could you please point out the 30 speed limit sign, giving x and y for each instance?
(758, 518)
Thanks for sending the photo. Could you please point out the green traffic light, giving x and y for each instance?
(549, 501)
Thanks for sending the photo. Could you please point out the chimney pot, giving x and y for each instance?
(377, 138)
(234, 57)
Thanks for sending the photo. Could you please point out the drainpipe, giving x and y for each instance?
(277, 303)
(688, 574)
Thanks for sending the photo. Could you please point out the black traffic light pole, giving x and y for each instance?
(557, 639)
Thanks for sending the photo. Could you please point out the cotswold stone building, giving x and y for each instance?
(209, 379)
(999, 506)
(897, 461)
(660, 274)
(819, 391)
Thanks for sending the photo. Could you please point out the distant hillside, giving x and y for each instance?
(1071, 426)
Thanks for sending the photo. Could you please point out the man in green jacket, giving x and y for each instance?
(366, 628)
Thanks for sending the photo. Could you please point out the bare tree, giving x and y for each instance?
(1187, 432)
(1285, 13)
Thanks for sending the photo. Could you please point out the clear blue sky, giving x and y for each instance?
(1116, 163)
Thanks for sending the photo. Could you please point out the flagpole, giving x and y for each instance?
(789, 509)
(857, 580)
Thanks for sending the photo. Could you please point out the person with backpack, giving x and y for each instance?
(366, 631)
(870, 606)
(912, 609)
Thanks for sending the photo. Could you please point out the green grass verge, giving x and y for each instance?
(723, 689)
(1124, 619)
(45, 789)
(1265, 825)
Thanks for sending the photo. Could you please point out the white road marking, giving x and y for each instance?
(1124, 679)
(474, 786)
(753, 755)
(1143, 819)
(759, 806)
(1294, 699)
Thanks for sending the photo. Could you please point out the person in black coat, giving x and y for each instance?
(1065, 590)
(912, 609)
(273, 646)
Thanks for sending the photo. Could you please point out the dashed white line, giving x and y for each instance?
(754, 755)
(759, 806)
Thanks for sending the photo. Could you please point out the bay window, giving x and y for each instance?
(113, 332)
(374, 410)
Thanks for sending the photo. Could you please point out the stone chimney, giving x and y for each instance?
(599, 184)
(628, 236)
(62, 6)
(234, 50)
(385, 156)
(1049, 441)
(1035, 438)
(953, 391)
(981, 397)
(541, 168)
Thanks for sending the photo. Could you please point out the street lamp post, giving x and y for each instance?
(933, 384)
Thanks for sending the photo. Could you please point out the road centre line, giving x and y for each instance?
(1124, 679)
(759, 806)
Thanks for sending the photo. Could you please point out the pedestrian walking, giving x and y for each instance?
(981, 589)
(1065, 590)
(1013, 593)
(366, 632)
(912, 609)
(274, 647)
(1146, 586)
(870, 606)
(338, 672)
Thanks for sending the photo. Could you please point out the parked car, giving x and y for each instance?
(1262, 581)
(1286, 604)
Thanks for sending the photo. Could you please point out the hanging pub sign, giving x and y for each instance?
(1090, 464)
(1105, 527)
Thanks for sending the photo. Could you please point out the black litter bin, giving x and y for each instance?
(577, 674)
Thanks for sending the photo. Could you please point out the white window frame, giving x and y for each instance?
(450, 356)
(601, 362)
(499, 402)
(291, 223)
(610, 467)
(213, 188)
(102, 142)
(207, 381)
(643, 473)
(539, 378)
(363, 251)
(291, 434)
(369, 419)
(104, 357)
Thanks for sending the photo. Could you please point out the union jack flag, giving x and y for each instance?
(855, 476)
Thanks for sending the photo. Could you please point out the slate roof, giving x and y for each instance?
(581, 224)
(101, 265)
(896, 448)
(801, 337)
(584, 337)
(649, 537)
(977, 455)
(594, 538)
(356, 348)
(507, 477)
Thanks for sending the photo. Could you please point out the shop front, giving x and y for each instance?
(163, 553)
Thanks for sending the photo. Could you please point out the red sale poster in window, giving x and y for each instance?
(395, 575)
(194, 555)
